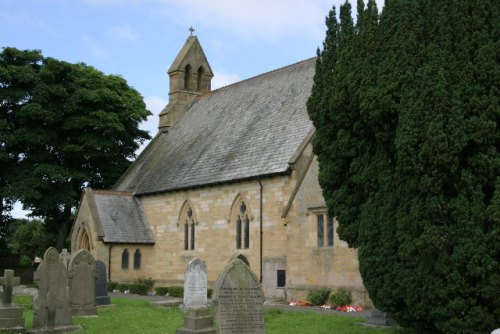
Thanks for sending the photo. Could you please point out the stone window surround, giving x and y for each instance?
(243, 240)
(125, 259)
(328, 235)
(187, 219)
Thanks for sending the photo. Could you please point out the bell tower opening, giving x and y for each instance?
(190, 76)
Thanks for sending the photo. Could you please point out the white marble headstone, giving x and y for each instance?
(195, 284)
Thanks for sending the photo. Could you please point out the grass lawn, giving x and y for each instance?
(136, 316)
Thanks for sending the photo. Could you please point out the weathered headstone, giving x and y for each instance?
(52, 305)
(101, 286)
(11, 316)
(195, 284)
(239, 300)
(82, 277)
(65, 257)
(379, 318)
(196, 312)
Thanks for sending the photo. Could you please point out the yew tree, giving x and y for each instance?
(407, 114)
(63, 127)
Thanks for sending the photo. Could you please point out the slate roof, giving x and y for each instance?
(119, 217)
(246, 130)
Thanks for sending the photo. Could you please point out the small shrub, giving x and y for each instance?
(161, 290)
(176, 291)
(140, 289)
(147, 282)
(340, 298)
(122, 287)
(209, 292)
(318, 296)
(112, 286)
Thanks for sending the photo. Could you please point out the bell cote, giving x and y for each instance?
(190, 76)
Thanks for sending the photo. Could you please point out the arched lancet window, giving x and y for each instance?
(187, 76)
(137, 259)
(125, 259)
(199, 81)
(242, 217)
(188, 219)
(83, 239)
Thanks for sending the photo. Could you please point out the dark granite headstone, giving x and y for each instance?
(239, 300)
(11, 316)
(101, 286)
(82, 277)
(52, 305)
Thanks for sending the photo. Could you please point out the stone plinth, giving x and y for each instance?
(197, 320)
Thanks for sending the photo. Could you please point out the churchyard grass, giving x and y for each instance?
(137, 316)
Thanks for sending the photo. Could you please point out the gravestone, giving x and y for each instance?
(82, 277)
(65, 257)
(195, 284)
(11, 316)
(239, 300)
(196, 317)
(379, 318)
(101, 286)
(52, 305)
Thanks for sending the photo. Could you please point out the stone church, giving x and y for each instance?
(230, 172)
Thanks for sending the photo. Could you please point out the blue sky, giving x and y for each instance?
(139, 39)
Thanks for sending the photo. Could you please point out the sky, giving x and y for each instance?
(139, 39)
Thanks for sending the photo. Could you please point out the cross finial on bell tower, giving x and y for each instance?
(191, 31)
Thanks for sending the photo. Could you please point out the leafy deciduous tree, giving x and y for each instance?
(62, 127)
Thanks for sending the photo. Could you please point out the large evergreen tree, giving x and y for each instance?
(406, 107)
(62, 127)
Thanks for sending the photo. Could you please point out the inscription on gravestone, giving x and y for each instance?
(52, 306)
(239, 300)
(82, 276)
(195, 284)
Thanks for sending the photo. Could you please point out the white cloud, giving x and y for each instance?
(267, 20)
(155, 105)
(18, 212)
(123, 32)
(223, 79)
(111, 2)
(262, 19)
(94, 48)
(26, 19)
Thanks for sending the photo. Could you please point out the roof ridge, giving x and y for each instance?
(261, 75)
(112, 192)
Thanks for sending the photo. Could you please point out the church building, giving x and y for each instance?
(230, 172)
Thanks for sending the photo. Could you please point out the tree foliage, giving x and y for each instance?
(62, 127)
(406, 108)
(30, 239)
